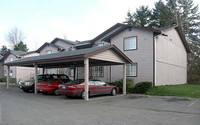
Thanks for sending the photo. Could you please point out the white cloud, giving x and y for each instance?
(101, 17)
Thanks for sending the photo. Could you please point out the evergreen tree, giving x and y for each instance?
(161, 16)
(21, 47)
(3, 50)
(140, 18)
(129, 19)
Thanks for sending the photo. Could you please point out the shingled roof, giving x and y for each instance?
(82, 53)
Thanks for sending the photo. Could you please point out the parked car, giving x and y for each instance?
(51, 85)
(96, 87)
(29, 85)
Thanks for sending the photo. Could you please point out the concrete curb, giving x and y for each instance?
(163, 97)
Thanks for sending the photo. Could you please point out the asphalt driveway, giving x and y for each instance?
(19, 108)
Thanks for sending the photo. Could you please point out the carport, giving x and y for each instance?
(96, 56)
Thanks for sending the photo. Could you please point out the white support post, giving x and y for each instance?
(36, 80)
(124, 79)
(8, 77)
(86, 69)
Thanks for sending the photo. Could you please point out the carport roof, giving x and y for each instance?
(62, 57)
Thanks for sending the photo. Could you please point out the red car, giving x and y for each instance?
(96, 87)
(51, 85)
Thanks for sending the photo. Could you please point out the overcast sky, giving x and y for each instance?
(43, 20)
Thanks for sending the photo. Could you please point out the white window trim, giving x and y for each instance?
(136, 70)
(124, 43)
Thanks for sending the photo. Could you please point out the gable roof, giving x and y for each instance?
(17, 53)
(89, 43)
(63, 40)
(181, 35)
(48, 44)
(76, 54)
(107, 31)
(108, 38)
(14, 52)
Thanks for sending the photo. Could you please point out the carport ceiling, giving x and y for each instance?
(99, 56)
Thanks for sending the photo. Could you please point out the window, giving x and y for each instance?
(48, 52)
(72, 48)
(11, 73)
(91, 83)
(99, 83)
(130, 43)
(97, 71)
(100, 44)
(48, 71)
(71, 72)
(5, 73)
(11, 59)
(131, 69)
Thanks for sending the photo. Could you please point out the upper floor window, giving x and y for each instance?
(100, 44)
(48, 52)
(11, 59)
(131, 69)
(73, 48)
(130, 43)
(11, 73)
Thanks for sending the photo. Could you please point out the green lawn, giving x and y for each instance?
(185, 90)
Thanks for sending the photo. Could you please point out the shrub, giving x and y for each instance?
(3, 79)
(193, 79)
(141, 87)
(119, 83)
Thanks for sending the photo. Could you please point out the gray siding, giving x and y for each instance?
(171, 59)
(1, 69)
(46, 48)
(64, 45)
(143, 56)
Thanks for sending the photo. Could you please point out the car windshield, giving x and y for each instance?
(77, 81)
(51, 80)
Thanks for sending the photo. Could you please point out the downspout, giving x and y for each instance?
(154, 61)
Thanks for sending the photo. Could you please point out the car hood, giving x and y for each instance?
(28, 81)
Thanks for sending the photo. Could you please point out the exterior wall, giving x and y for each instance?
(143, 55)
(64, 45)
(31, 55)
(1, 69)
(171, 59)
(13, 68)
(24, 73)
(42, 52)
(53, 49)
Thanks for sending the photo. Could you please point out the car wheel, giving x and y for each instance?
(25, 90)
(83, 94)
(44, 93)
(55, 92)
(113, 92)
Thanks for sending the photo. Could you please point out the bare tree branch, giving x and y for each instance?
(14, 36)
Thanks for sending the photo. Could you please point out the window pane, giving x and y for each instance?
(100, 44)
(71, 72)
(130, 43)
(97, 71)
(131, 69)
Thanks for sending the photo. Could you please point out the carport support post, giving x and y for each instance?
(124, 79)
(36, 80)
(86, 69)
(8, 77)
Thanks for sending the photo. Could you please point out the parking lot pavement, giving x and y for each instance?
(19, 108)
